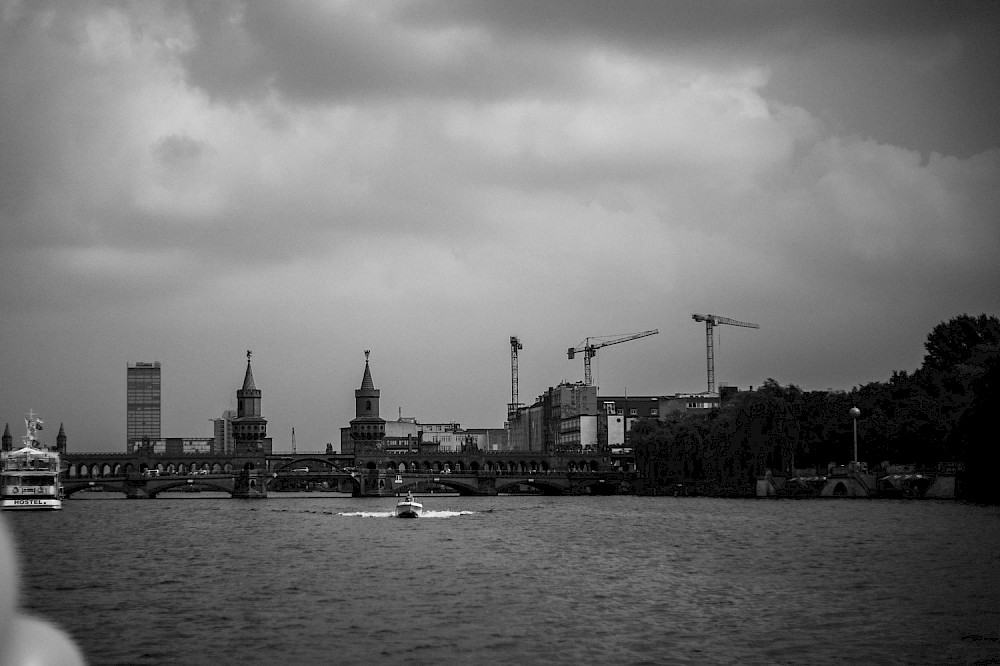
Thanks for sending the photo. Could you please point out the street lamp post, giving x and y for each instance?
(855, 413)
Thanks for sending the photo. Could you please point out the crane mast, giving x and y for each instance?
(711, 321)
(512, 408)
(590, 346)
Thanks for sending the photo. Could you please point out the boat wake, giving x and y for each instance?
(392, 514)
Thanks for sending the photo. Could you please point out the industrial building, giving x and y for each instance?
(573, 417)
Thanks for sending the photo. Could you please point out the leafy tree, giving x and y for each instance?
(976, 441)
(941, 412)
(962, 343)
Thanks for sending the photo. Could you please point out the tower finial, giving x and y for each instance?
(367, 352)
(249, 354)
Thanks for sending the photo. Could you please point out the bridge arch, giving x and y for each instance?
(109, 485)
(462, 487)
(316, 463)
(541, 484)
(183, 482)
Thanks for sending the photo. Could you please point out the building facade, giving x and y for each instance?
(564, 418)
(142, 394)
(572, 417)
(222, 429)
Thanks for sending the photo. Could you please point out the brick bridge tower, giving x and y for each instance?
(61, 440)
(367, 428)
(249, 432)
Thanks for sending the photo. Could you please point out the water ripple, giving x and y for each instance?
(517, 580)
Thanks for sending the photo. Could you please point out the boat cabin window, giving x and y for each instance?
(34, 480)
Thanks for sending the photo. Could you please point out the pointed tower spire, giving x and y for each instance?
(367, 428)
(249, 426)
(248, 384)
(8, 439)
(61, 440)
(366, 382)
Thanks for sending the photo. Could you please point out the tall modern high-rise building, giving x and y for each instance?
(143, 397)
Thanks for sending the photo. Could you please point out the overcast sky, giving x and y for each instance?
(182, 182)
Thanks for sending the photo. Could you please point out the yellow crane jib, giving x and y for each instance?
(590, 346)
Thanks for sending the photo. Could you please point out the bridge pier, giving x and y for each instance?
(249, 484)
(136, 489)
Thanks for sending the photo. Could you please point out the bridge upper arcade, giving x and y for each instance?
(97, 465)
(84, 465)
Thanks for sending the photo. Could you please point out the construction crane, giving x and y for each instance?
(711, 321)
(514, 405)
(590, 346)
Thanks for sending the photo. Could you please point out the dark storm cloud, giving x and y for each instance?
(824, 56)
(310, 178)
(320, 52)
(867, 67)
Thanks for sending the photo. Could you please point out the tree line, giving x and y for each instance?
(942, 412)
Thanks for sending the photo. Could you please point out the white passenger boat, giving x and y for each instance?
(29, 476)
(408, 507)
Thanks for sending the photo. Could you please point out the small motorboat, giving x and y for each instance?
(408, 507)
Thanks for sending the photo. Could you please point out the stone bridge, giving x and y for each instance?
(372, 473)
(141, 487)
(365, 483)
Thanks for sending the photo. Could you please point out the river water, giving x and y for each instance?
(517, 580)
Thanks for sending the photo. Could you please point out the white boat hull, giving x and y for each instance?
(31, 504)
(409, 509)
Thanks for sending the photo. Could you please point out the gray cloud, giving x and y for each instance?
(182, 182)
